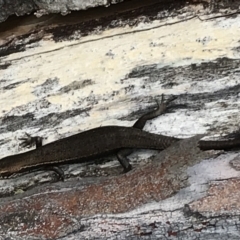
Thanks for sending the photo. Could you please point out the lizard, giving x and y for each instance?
(98, 142)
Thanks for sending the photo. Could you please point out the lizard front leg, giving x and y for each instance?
(29, 141)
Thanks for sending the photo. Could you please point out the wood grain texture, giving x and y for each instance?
(66, 76)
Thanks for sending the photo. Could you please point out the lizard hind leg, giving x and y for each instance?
(140, 123)
(122, 158)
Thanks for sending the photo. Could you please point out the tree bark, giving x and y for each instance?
(63, 75)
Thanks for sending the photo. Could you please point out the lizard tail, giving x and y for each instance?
(220, 145)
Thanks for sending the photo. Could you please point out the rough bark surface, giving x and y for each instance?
(62, 75)
(43, 7)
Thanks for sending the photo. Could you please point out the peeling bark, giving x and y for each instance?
(40, 8)
(62, 75)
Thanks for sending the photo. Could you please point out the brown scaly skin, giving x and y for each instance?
(95, 143)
